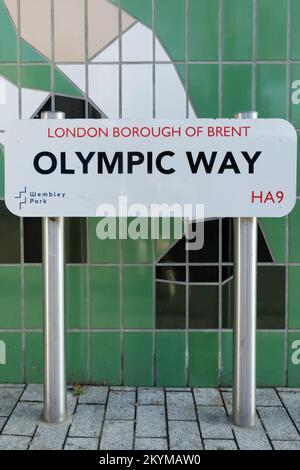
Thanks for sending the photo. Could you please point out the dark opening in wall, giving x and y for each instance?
(73, 107)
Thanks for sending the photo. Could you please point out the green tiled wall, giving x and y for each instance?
(238, 25)
(105, 358)
(204, 89)
(138, 358)
(170, 359)
(239, 78)
(271, 16)
(203, 30)
(123, 327)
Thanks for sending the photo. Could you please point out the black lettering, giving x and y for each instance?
(132, 161)
(149, 162)
(159, 163)
(117, 158)
(85, 161)
(208, 166)
(36, 163)
(229, 163)
(250, 160)
(65, 170)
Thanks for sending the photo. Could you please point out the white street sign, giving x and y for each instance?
(236, 168)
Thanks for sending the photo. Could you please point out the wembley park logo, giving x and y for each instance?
(155, 221)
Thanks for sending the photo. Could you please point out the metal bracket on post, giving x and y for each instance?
(54, 315)
(245, 298)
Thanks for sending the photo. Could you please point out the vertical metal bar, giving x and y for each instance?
(245, 298)
(54, 314)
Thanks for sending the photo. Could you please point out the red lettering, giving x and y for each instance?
(255, 196)
(269, 197)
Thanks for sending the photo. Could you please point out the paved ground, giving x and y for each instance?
(109, 418)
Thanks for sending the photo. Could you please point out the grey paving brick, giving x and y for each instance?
(151, 421)
(24, 419)
(118, 388)
(277, 423)
(227, 397)
(151, 396)
(71, 403)
(117, 435)
(14, 442)
(8, 399)
(264, 397)
(178, 389)
(253, 438)
(267, 397)
(285, 389)
(219, 444)
(23, 428)
(184, 435)
(181, 406)
(81, 443)
(11, 385)
(292, 402)
(142, 443)
(87, 421)
(2, 422)
(33, 392)
(120, 405)
(50, 436)
(208, 396)
(286, 445)
(95, 395)
(214, 422)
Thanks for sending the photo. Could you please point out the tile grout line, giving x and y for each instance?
(197, 418)
(220, 302)
(254, 60)
(86, 52)
(104, 416)
(159, 62)
(89, 304)
(21, 220)
(119, 63)
(167, 420)
(153, 264)
(221, 54)
(287, 217)
(135, 419)
(187, 299)
(187, 54)
(52, 64)
(120, 244)
(153, 6)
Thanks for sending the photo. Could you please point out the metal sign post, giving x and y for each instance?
(244, 333)
(54, 315)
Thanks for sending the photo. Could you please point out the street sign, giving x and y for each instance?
(235, 168)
